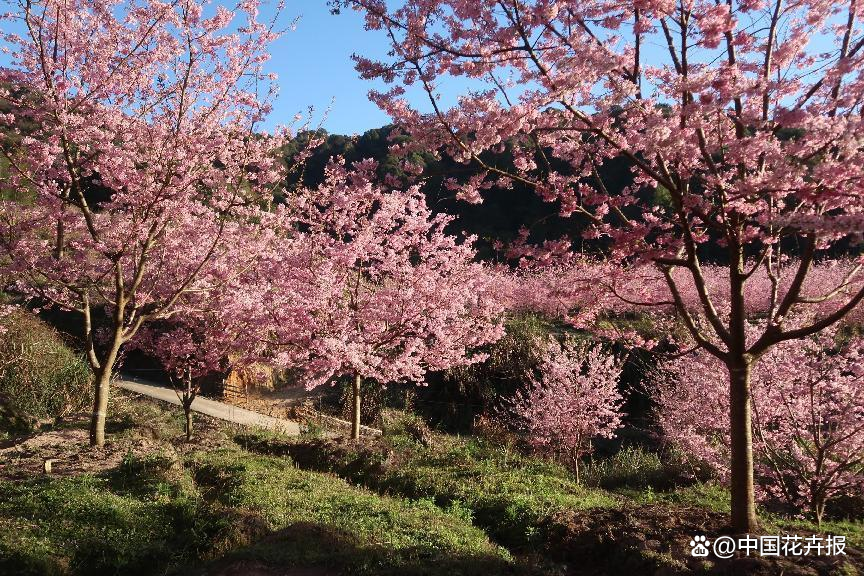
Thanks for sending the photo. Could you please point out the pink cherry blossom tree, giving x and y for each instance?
(221, 328)
(745, 114)
(373, 287)
(144, 165)
(808, 424)
(572, 399)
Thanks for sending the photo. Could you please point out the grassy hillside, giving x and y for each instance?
(414, 502)
(168, 508)
(634, 513)
(41, 378)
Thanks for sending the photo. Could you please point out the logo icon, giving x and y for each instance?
(699, 546)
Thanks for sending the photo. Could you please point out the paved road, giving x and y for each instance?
(212, 408)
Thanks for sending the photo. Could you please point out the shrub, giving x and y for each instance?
(632, 467)
(476, 389)
(40, 377)
(571, 399)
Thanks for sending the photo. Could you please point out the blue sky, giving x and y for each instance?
(315, 67)
(313, 62)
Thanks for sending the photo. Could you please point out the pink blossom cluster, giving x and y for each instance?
(144, 192)
(572, 399)
(223, 326)
(582, 290)
(684, 90)
(136, 166)
(370, 284)
(746, 116)
(828, 286)
(138, 182)
(349, 278)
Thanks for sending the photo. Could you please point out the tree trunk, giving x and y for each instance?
(743, 502)
(355, 422)
(189, 393)
(187, 410)
(576, 470)
(102, 382)
(817, 504)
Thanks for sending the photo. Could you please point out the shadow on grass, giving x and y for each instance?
(79, 526)
(337, 551)
(362, 462)
(120, 423)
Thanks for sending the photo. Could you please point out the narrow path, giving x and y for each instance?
(212, 408)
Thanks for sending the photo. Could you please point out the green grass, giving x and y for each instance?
(632, 467)
(132, 417)
(318, 519)
(409, 504)
(853, 530)
(157, 516)
(523, 503)
(708, 496)
(509, 495)
(115, 524)
(714, 497)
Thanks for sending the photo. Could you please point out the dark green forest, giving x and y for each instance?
(498, 218)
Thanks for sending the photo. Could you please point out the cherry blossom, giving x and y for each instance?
(746, 115)
(571, 400)
(145, 165)
(371, 286)
(808, 423)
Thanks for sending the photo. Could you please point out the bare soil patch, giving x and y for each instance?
(66, 443)
(654, 540)
(69, 454)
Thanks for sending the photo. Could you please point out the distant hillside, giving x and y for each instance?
(503, 211)
(500, 216)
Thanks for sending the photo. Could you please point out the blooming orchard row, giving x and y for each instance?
(139, 185)
(746, 115)
(139, 194)
(808, 424)
(808, 399)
